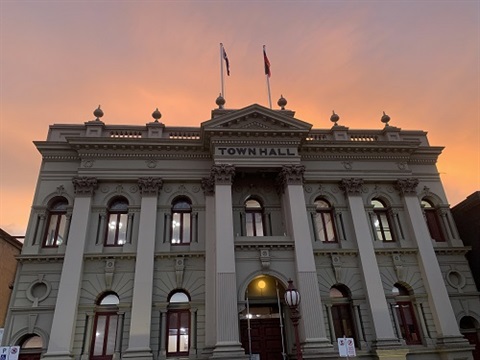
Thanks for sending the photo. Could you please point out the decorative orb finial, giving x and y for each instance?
(156, 115)
(220, 101)
(282, 102)
(98, 113)
(385, 119)
(334, 118)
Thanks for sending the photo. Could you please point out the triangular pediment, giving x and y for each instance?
(255, 117)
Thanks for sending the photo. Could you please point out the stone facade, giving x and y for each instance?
(154, 242)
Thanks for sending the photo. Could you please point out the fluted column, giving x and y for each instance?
(208, 185)
(63, 324)
(312, 324)
(140, 324)
(382, 324)
(444, 318)
(227, 343)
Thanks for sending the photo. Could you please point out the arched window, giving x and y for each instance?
(433, 221)
(105, 327)
(31, 347)
(382, 222)
(406, 315)
(178, 324)
(55, 234)
(117, 222)
(253, 218)
(342, 312)
(324, 222)
(181, 221)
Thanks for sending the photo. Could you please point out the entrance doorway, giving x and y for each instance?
(261, 323)
(470, 328)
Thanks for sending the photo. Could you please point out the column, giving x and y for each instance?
(162, 352)
(381, 321)
(227, 344)
(40, 230)
(141, 316)
(87, 336)
(208, 185)
(312, 324)
(444, 318)
(64, 317)
(119, 336)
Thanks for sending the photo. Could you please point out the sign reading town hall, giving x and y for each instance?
(256, 151)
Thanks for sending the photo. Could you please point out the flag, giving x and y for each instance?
(227, 63)
(267, 63)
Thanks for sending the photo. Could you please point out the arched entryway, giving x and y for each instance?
(31, 347)
(470, 328)
(261, 323)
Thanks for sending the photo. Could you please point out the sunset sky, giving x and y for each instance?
(419, 61)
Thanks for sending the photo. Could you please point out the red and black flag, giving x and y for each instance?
(267, 63)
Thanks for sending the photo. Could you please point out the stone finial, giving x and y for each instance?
(156, 115)
(282, 102)
(385, 119)
(334, 118)
(220, 101)
(98, 113)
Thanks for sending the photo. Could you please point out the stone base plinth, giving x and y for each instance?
(60, 355)
(228, 350)
(138, 354)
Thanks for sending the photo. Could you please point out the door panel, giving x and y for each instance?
(265, 337)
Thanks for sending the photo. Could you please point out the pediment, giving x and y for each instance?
(256, 117)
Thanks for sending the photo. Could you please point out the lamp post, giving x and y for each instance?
(292, 298)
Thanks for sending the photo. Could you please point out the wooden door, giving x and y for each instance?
(266, 338)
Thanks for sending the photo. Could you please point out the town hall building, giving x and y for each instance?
(154, 242)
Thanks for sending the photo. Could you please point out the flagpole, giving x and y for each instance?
(222, 89)
(267, 75)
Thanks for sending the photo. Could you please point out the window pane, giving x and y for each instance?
(52, 229)
(112, 334)
(172, 332)
(32, 342)
(329, 227)
(112, 229)
(176, 227)
(387, 235)
(61, 230)
(258, 224)
(186, 228)
(249, 224)
(122, 229)
(99, 335)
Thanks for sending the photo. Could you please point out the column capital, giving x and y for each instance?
(84, 185)
(150, 185)
(352, 186)
(290, 175)
(407, 186)
(223, 174)
(208, 185)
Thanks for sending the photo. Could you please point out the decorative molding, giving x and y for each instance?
(407, 186)
(223, 174)
(352, 186)
(265, 258)
(290, 175)
(179, 270)
(150, 185)
(109, 272)
(84, 185)
(208, 186)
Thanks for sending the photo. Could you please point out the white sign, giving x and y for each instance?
(346, 347)
(9, 352)
(4, 350)
(14, 353)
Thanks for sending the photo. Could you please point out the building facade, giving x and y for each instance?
(160, 242)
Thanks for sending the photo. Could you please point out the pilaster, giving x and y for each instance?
(382, 324)
(443, 315)
(140, 324)
(227, 344)
(312, 324)
(64, 317)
